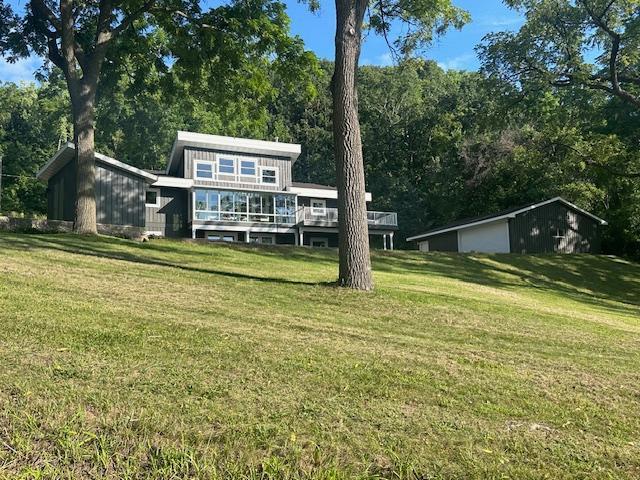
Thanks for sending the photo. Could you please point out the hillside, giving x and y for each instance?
(173, 360)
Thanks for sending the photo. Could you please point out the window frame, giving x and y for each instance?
(319, 211)
(234, 161)
(204, 162)
(220, 234)
(559, 231)
(240, 160)
(157, 202)
(324, 240)
(261, 236)
(276, 177)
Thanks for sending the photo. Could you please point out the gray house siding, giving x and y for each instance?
(282, 164)
(444, 242)
(61, 194)
(119, 196)
(535, 231)
(171, 217)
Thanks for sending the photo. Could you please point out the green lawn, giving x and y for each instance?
(175, 360)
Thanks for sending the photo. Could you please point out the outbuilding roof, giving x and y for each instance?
(504, 214)
(67, 153)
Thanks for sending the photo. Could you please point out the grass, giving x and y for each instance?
(178, 360)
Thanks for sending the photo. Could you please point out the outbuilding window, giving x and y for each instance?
(152, 198)
(560, 233)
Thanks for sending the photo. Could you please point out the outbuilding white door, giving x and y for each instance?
(487, 238)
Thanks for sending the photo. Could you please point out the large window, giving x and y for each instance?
(224, 205)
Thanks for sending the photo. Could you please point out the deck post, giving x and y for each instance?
(193, 232)
(391, 240)
(301, 238)
(246, 236)
(384, 241)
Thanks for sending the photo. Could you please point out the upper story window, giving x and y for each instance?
(204, 170)
(226, 166)
(248, 168)
(269, 175)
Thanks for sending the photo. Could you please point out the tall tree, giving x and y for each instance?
(592, 44)
(422, 19)
(80, 36)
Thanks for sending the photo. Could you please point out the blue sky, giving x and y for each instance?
(453, 51)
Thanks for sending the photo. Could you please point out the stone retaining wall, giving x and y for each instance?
(32, 225)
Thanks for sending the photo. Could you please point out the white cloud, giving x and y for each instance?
(500, 21)
(461, 62)
(21, 71)
(384, 60)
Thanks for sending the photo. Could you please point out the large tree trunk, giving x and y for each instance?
(355, 263)
(83, 123)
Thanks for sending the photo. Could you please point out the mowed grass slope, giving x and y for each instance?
(176, 360)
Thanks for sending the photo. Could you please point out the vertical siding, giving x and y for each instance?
(61, 194)
(119, 196)
(170, 219)
(282, 164)
(533, 231)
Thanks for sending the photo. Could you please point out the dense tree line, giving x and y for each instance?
(437, 145)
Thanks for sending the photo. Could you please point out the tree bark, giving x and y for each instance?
(83, 123)
(355, 261)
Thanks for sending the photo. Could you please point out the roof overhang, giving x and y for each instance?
(320, 193)
(174, 182)
(506, 217)
(230, 144)
(67, 154)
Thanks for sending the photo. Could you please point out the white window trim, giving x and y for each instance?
(275, 169)
(227, 157)
(319, 239)
(272, 236)
(152, 205)
(221, 235)
(207, 162)
(557, 235)
(239, 161)
(320, 211)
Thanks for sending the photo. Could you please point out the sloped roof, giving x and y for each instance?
(67, 153)
(508, 213)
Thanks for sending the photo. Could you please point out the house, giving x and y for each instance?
(554, 225)
(216, 188)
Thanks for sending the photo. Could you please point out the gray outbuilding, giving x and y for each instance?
(554, 225)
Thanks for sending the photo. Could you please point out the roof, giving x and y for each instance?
(67, 153)
(504, 214)
(312, 185)
(230, 144)
(315, 190)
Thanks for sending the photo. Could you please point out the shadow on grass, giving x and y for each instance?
(97, 247)
(592, 279)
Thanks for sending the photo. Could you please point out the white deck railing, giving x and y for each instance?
(310, 215)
